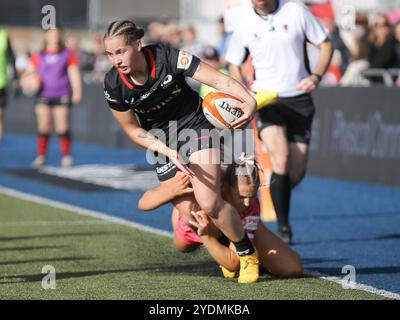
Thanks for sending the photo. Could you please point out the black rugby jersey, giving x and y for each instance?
(165, 97)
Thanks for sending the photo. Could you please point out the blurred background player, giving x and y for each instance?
(275, 33)
(240, 184)
(61, 85)
(7, 58)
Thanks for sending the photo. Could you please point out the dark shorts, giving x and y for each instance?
(52, 102)
(294, 113)
(200, 141)
(3, 98)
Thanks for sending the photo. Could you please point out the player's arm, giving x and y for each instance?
(75, 78)
(166, 192)
(223, 255)
(234, 72)
(222, 82)
(311, 83)
(145, 139)
(209, 234)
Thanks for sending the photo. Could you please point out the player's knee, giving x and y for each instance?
(280, 164)
(182, 246)
(296, 177)
(211, 207)
(292, 269)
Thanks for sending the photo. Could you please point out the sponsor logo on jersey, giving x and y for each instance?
(177, 90)
(146, 95)
(165, 168)
(108, 97)
(130, 102)
(166, 80)
(184, 60)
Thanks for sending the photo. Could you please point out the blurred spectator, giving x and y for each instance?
(397, 49)
(190, 43)
(86, 59)
(7, 58)
(338, 43)
(154, 33)
(172, 35)
(358, 44)
(223, 44)
(101, 63)
(383, 53)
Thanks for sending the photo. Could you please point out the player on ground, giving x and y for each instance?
(146, 89)
(239, 187)
(275, 34)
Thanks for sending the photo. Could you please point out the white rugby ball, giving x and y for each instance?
(219, 109)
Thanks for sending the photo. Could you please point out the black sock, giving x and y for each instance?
(244, 247)
(280, 190)
(224, 240)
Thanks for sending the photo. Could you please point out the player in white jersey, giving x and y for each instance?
(275, 33)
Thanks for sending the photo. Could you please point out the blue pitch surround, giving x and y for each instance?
(335, 223)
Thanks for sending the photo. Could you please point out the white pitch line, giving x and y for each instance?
(100, 215)
(82, 211)
(355, 286)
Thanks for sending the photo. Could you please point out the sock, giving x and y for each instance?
(244, 247)
(280, 193)
(42, 143)
(65, 143)
(224, 240)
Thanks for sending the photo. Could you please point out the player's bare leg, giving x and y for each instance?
(44, 127)
(207, 190)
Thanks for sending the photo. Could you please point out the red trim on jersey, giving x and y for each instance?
(152, 66)
(125, 80)
(73, 59)
(152, 62)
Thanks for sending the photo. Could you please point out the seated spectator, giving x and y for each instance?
(383, 53)
(358, 44)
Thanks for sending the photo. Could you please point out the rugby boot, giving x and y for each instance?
(249, 271)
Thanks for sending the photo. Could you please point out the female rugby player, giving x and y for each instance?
(239, 187)
(61, 85)
(146, 89)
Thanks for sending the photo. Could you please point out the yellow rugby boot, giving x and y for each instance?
(249, 271)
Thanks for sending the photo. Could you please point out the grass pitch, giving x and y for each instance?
(95, 259)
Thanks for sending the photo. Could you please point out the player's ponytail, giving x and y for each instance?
(245, 171)
(125, 28)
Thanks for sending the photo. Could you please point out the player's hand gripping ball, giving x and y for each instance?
(219, 109)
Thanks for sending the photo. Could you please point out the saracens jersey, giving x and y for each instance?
(165, 97)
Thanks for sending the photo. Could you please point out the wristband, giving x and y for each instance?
(319, 77)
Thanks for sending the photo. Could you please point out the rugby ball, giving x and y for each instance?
(30, 83)
(219, 109)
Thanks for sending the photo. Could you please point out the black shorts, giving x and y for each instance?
(52, 102)
(202, 140)
(294, 113)
(3, 98)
